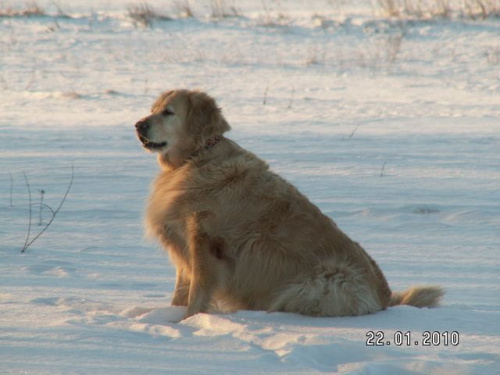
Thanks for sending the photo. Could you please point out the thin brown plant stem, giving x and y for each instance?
(53, 214)
(29, 222)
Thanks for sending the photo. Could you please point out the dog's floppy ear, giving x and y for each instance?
(204, 118)
(161, 99)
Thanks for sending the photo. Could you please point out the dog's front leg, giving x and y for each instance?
(182, 284)
(203, 277)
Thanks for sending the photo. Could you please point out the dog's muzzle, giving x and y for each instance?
(142, 129)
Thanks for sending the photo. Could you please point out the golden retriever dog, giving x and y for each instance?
(241, 236)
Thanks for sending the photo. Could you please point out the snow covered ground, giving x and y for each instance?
(391, 126)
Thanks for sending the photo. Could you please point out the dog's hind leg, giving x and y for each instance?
(331, 289)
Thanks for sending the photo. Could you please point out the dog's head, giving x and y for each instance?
(181, 123)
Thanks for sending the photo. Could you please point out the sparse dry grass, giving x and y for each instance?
(221, 10)
(270, 20)
(273, 18)
(428, 9)
(29, 9)
(184, 8)
(144, 15)
(483, 8)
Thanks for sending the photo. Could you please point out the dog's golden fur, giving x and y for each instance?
(243, 237)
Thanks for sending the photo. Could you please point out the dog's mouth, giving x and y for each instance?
(150, 145)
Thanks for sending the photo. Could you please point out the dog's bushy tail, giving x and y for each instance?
(418, 296)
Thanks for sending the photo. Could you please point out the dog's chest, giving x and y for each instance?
(170, 205)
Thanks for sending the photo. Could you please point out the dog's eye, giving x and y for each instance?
(167, 112)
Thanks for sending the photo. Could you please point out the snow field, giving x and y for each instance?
(390, 127)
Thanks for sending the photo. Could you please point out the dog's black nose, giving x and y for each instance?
(141, 125)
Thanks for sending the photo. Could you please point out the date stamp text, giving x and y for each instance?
(408, 338)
